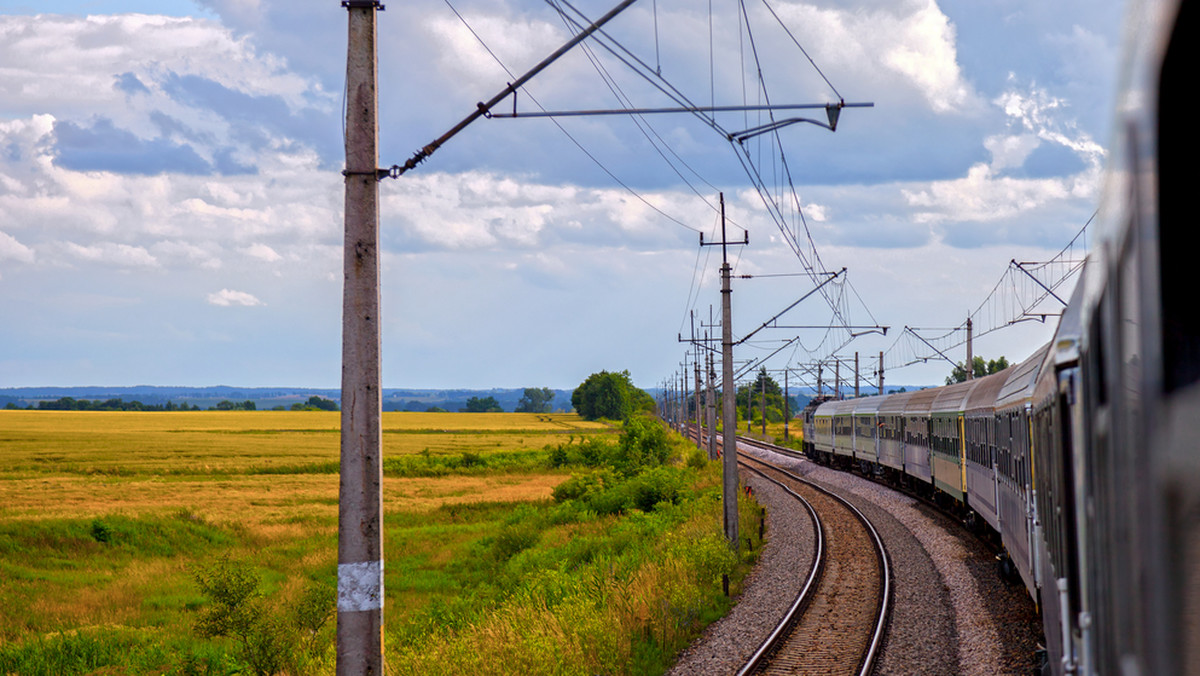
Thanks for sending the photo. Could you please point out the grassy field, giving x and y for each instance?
(106, 518)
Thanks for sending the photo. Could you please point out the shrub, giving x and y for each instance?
(643, 443)
(268, 639)
(581, 485)
(558, 456)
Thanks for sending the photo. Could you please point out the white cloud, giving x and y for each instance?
(53, 60)
(871, 46)
(482, 210)
(172, 219)
(228, 297)
(1010, 151)
(928, 180)
(923, 50)
(981, 196)
(111, 253)
(262, 252)
(184, 254)
(518, 43)
(11, 249)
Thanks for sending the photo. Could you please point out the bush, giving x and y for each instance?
(581, 486)
(643, 444)
(268, 639)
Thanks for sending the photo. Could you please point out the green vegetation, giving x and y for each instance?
(482, 405)
(72, 404)
(979, 369)
(267, 638)
(610, 396)
(614, 576)
(535, 400)
(515, 543)
(314, 403)
(750, 400)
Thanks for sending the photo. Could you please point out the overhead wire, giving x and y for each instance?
(639, 121)
(579, 145)
(782, 179)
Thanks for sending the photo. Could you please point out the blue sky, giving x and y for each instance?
(171, 202)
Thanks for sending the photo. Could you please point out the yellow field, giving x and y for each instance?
(216, 442)
(264, 480)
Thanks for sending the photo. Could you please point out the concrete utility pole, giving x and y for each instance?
(749, 407)
(699, 419)
(729, 481)
(856, 376)
(881, 371)
(712, 407)
(763, 403)
(683, 400)
(787, 415)
(970, 356)
(360, 501)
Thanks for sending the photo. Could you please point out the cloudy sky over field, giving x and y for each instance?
(171, 197)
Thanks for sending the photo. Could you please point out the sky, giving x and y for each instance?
(171, 202)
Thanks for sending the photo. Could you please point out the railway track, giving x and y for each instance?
(837, 622)
(842, 614)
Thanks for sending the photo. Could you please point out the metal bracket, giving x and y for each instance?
(363, 4)
(379, 174)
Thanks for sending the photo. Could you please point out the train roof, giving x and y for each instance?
(844, 407)
(987, 391)
(827, 408)
(921, 401)
(895, 403)
(953, 398)
(1018, 389)
(868, 405)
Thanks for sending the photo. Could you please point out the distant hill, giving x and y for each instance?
(394, 399)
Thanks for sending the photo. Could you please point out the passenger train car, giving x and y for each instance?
(1084, 459)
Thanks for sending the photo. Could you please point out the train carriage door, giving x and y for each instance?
(961, 452)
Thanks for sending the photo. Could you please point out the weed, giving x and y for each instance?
(269, 638)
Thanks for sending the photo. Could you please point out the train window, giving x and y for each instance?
(1177, 149)
(1095, 353)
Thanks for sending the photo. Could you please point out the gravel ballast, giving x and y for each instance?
(952, 614)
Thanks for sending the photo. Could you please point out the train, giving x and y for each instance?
(1083, 460)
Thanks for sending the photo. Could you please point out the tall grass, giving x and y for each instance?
(105, 517)
(598, 582)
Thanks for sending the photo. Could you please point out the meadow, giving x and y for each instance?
(503, 532)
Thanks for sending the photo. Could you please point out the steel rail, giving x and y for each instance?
(868, 662)
(775, 638)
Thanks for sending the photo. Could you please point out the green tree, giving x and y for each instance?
(980, 368)
(535, 400)
(482, 405)
(610, 395)
(321, 404)
(753, 393)
(268, 637)
(236, 609)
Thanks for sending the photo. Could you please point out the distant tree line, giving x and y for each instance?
(72, 404)
(482, 405)
(314, 403)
